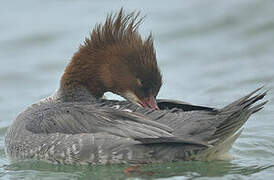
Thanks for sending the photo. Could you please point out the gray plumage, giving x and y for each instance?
(103, 131)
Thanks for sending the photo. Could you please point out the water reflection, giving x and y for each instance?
(210, 53)
(164, 170)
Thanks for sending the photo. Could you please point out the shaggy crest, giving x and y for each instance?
(118, 28)
(115, 44)
(121, 30)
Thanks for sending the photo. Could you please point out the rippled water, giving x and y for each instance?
(210, 53)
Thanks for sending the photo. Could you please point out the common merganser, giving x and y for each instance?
(77, 126)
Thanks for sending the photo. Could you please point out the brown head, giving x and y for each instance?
(116, 59)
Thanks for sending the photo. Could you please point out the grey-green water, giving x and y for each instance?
(210, 53)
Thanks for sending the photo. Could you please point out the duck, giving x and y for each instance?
(76, 125)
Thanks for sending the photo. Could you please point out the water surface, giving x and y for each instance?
(210, 53)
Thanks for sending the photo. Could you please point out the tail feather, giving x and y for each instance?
(258, 107)
(242, 100)
(238, 112)
(234, 117)
(254, 99)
